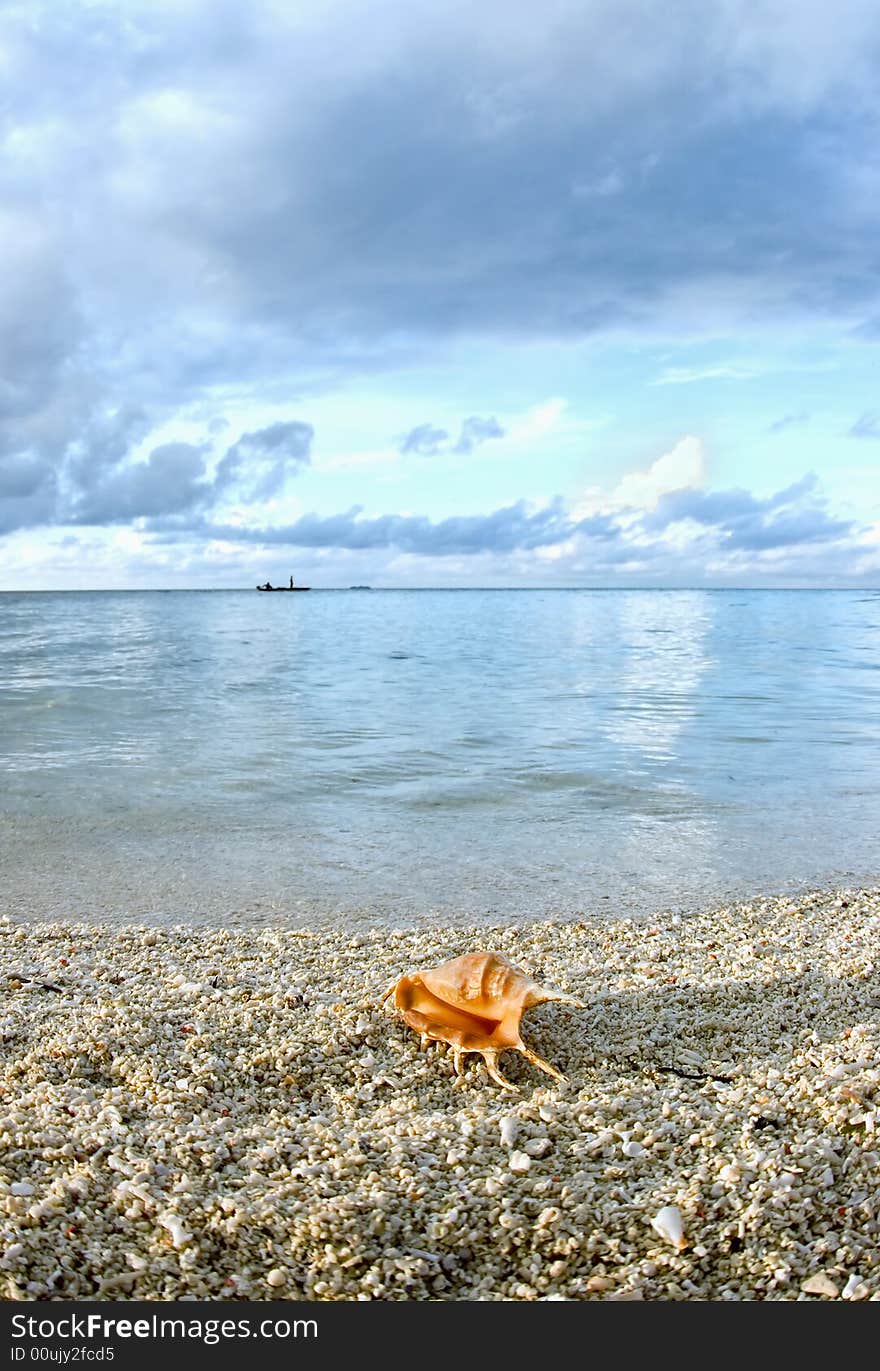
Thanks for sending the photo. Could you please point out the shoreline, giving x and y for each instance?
(231, 1114)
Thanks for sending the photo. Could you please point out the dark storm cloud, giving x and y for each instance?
(424, 440)
(866, 426)
(741, 520)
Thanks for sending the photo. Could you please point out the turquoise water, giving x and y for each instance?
(394, 756)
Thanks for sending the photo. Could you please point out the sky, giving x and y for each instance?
(423, 293)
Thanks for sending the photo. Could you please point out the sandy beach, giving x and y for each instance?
(222, 1115)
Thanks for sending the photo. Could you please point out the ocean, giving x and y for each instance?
(400, 757)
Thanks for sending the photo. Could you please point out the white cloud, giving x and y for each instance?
(683, 376)
(683, 467)
(538, 421)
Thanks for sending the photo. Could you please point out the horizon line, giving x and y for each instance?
(713, 589)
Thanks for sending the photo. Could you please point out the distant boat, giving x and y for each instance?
(267, 586)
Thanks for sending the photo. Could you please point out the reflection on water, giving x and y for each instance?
(657, 682)
(432, 754)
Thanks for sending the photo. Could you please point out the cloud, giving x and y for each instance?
(739, 520)
(427, 441)
(475, 431)
(788, 421)
(424, 440)
(197, 220)
(28, 492)
(682, 376)
(729, 521)
(95, 481)
(263, 461)
(866, 426)
(170, 481)
(683, 466)
(514, 527)
(23, 474)
(185, 229)
(688, 536)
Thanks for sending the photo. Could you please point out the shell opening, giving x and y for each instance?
(417, 997)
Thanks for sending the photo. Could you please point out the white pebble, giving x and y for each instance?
(509, 1127)
(21, 1188)
(275, 1277)
(519, 1162)
(820, 1285)
(632, 1149)
(854, 1289)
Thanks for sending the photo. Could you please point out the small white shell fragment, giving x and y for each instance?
(668, 1223)
(854, 1289)
(632, 1149)
(820, 1285)
(538, 1147)
(180, 1236)
(509, 1127)
(21, 1188)
(275, 1278)
(519, 1162)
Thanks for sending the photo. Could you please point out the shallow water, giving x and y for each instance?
(392, 756)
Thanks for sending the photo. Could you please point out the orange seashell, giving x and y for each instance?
(474, 1003)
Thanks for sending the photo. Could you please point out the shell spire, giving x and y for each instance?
(475, 1004)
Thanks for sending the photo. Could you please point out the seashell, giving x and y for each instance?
(668, 1223)
(475, 1004)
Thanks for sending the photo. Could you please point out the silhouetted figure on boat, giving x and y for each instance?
(291, 586)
